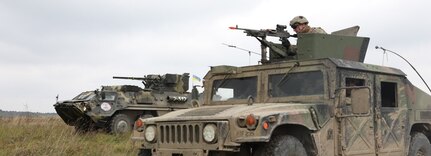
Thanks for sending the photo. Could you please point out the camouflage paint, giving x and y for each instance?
(325, 124)
(132, 101)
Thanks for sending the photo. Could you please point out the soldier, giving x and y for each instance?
(300, 25)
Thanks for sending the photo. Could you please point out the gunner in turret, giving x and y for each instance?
(300, 25)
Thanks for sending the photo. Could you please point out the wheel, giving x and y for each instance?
(121, 123)
(420, 145)
(144, 152)
(281, 145)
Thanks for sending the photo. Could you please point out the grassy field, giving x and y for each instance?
(51, 136)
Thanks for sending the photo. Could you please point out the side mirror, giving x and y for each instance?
(360, 100)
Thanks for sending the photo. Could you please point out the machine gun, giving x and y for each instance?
(150, 81)
(261, 35)
(167, 82)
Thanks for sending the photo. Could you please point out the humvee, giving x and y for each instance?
(115, 108)
(323, 100)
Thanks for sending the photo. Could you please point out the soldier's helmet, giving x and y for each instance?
(298, 20)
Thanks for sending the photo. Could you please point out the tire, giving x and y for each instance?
(144, 152)
(281, 145)
(419, 145)
(121, 124)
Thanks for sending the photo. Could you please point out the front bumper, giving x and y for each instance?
(70, 113)
(171, 152)
(75, 114)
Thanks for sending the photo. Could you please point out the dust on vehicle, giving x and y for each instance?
(319, 99)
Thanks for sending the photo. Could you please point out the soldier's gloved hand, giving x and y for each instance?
(285, 42)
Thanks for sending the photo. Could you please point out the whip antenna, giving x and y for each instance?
(249, 51)
(386, 50)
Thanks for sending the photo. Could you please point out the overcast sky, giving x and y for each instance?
(50, 47)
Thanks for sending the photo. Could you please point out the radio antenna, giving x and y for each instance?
(386, 50)
(249, 51)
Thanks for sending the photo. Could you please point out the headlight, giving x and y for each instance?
(150, 133)
(105, 106)
(209, 133)
(84, 106)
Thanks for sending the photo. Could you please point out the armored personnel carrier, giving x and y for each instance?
(320, 99)
(115, 108)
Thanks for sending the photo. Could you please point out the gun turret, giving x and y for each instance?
(167, 82)
(149, 81)
(343, 44)
(260, 35)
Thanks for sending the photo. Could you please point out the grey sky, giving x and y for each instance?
(50, 47)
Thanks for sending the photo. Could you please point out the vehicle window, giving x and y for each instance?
(109, 96)
(352, 82)
(296, 84)
(388, 93)
(85, 96)
(236, 88)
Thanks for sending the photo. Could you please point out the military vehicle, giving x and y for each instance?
(115, 108)
(320, 99)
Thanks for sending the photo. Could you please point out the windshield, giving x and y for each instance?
(85, 96)
(296, 84)
(108, 96)
(235, 88)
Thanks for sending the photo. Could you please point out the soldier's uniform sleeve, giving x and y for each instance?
(317, 30)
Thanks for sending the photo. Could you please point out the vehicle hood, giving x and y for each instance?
(299, 111)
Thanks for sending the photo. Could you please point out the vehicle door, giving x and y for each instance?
(356, 131)
(391, 114)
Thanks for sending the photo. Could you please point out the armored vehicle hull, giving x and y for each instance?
(115, 108)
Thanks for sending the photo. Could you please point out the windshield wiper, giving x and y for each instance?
(222, 82)
(287, 73)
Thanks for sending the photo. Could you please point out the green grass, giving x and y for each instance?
(51, 136)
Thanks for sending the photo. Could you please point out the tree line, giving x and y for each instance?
(17, 113)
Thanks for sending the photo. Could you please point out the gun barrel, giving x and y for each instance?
(129, 78)
(279, 32)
